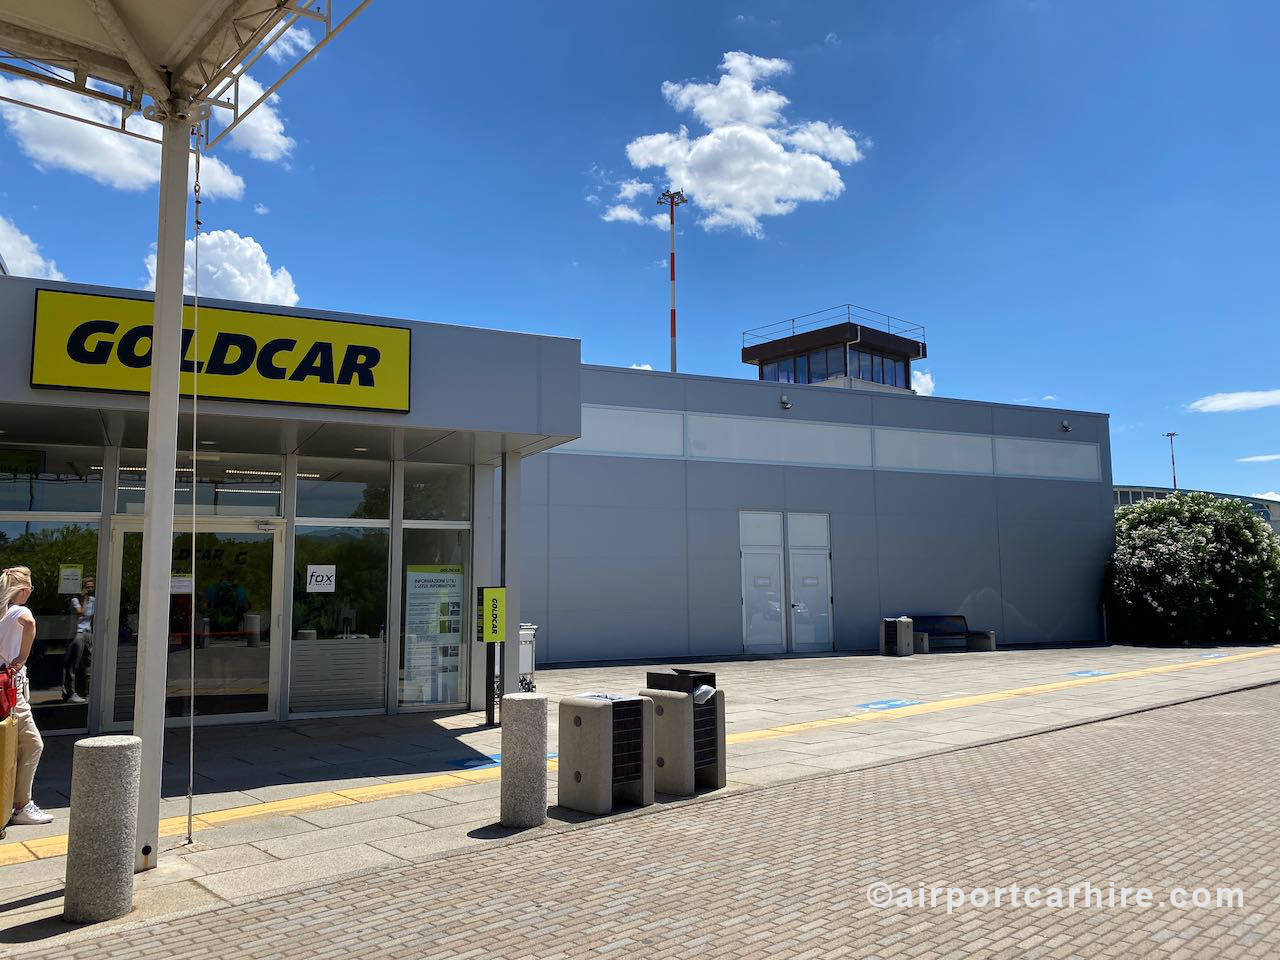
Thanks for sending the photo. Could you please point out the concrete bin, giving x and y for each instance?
(896, 637)
(689, 740)
(920, 642)
(605, 752)
(985, 644)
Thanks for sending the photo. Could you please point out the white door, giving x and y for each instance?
(762, 600)
(809, 579)
(764, 591)
(810, 601)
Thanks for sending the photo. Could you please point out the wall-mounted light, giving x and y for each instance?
(786, 404)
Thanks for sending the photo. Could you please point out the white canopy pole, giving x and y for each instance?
(162, 456)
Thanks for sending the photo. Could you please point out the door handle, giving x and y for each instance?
(795, 606)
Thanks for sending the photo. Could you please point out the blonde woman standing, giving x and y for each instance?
(17, 634)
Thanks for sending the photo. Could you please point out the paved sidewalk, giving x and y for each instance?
(324, 798)
(1183, 797)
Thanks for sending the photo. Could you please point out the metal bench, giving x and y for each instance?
(931, 629)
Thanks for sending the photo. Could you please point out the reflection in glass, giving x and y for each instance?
(437, 491)
(342, 489)
(231, 598)
(227, 484)
(817, 366)
(835, 361)
(339, 654)
(63, 558)
(435, 617)
(51, 478)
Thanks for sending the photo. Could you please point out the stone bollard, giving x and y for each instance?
(104, 828)
(524, 760)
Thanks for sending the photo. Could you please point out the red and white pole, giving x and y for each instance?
(671, 204)
(673, 199)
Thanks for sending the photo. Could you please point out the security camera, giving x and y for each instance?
(786, 404)
(1065, 426)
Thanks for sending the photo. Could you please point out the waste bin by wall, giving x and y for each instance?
(689, 743)
(896, 637)
(605, 752)
(528, 649)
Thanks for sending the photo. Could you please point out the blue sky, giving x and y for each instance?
(1077, 200)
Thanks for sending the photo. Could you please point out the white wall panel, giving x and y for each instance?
(1020, 457)
(637, 432)
(779, 441)
(927, 450)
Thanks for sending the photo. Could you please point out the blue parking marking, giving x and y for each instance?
(887, 704)
(1211, 656)
(1088, 673)
(483, 763)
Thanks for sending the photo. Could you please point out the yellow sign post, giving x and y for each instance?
(91, 342)
(491, 629)
(492, 619)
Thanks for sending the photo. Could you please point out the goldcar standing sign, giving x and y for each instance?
(91, 342)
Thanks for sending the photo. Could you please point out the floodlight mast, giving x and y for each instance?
(673, 199)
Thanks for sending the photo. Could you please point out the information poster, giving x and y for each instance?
(69, 577)
(433, 633)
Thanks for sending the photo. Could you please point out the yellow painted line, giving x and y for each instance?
(16, 851)
(954, 703)
(401, 788)
(303, 804)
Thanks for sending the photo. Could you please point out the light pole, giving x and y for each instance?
(673, 199)
(1172, 462)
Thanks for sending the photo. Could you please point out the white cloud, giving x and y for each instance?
(106, 156)
(1268, 495)
(832, 38)
(642, 366)
(1234, 402)
(1049, 396)
(621, 212)
(22, 255)
(734, 98)
(751, 162)
(922, 382)
(291, 44)
(1259, 458)
(261, 209)
(592, 198)
(232, 267)
(628, 190)
(831, 141)
(261, 133)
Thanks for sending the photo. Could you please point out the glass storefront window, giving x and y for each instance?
(51, 478)
(340, 489)
(63, 558)
(900, 372)
(226, 484)
(437, 491)
(339, 654)
(769, 371)
(802, 368)
(435, 617)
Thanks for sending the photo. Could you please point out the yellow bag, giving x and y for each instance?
(8, 766)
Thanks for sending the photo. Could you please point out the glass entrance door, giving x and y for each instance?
(233, 604)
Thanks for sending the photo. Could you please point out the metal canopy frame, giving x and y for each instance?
(174, 63)
(133, 86)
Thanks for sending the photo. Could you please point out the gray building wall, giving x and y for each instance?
(638, 557)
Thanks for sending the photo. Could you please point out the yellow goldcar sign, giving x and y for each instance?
(90, 342)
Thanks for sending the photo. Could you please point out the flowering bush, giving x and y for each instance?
(1194, 568)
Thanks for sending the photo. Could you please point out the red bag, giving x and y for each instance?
(8, 691)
